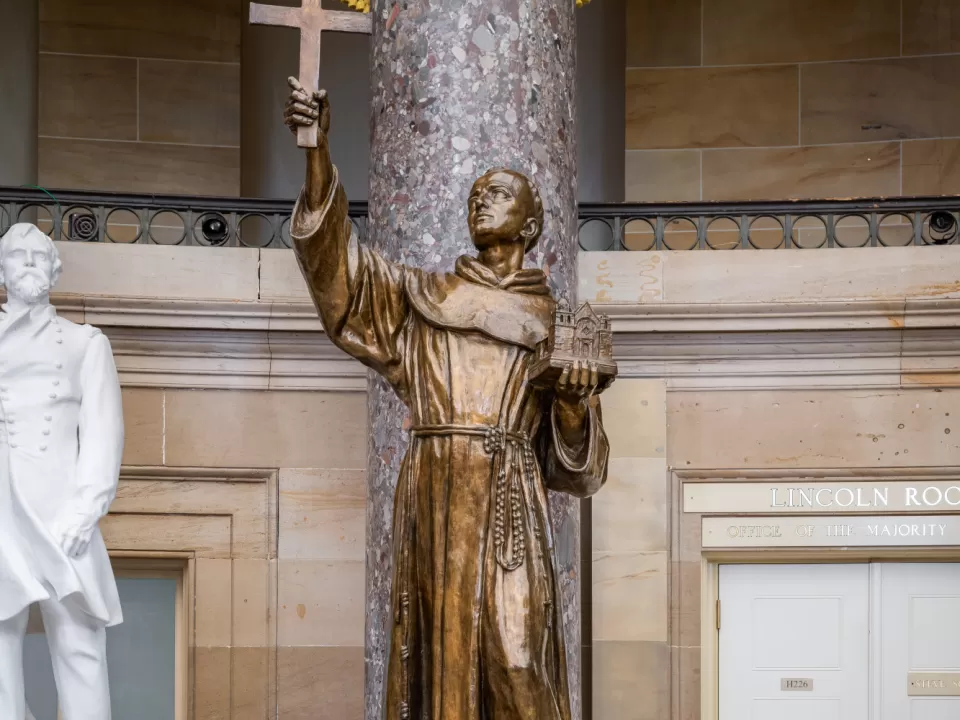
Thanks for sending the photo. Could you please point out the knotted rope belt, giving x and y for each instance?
(514, 462)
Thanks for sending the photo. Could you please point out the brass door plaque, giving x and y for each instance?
(796, 684)
(926, 684)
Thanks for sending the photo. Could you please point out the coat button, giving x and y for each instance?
(13, 445)
(43, 448)
(53, 396)
(59, 341)
(56, 382)
(59, 366)
(48, 418)
(46, 432)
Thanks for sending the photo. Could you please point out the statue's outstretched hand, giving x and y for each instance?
(303, 110)
(74, 533)
(577, 382)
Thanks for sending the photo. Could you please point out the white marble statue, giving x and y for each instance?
(61, 439)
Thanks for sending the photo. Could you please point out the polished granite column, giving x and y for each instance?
(460, 86)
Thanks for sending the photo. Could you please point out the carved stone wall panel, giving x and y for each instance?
(222, 525)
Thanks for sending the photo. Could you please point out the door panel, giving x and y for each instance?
(796, 632)
(812, 709)
(919, 627)
(794, 642)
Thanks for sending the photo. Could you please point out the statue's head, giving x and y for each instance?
(29, 263)
(504, 206)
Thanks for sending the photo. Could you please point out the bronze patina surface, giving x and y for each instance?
(476, 619)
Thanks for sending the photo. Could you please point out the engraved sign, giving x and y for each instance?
(796, 684)
(822, 497)
(927, 684)
(830, 531)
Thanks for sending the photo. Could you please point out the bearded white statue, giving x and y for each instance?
(61, 441)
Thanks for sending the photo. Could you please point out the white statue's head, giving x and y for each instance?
(29, 263)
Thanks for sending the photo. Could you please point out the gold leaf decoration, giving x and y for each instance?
(361, 5)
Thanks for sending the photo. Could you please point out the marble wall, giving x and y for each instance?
(140, 96)
(787, 364)
(631, 668)
(261, 490)
(794, 363)
(315, 443)
(749, 99)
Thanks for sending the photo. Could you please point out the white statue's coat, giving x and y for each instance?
(61, 441)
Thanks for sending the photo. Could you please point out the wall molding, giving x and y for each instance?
(752, 346)
(282, 345)
(201, 344)
(222, 523)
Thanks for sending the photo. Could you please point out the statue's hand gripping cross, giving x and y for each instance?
(311, 19)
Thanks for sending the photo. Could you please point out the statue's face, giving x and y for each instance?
(500, 209)
(27, 267)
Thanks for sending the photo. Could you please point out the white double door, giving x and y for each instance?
(839, 642)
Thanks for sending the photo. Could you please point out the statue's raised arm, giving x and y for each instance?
(358, 294)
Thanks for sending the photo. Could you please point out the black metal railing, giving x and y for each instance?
(804, 224)
(155, 219)
(232, 222)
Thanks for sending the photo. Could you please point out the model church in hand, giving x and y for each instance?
(580, 335)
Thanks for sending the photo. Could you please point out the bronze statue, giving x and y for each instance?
(477, 629)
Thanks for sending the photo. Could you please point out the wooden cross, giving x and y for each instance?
(311, 20)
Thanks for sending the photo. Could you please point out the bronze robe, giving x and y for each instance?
(477, 631)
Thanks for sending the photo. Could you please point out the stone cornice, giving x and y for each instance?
(869, 344)
(217, 344)
(281, 345)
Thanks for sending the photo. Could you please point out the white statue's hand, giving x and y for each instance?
(74, 533)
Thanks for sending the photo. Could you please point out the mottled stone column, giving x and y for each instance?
(460, 86)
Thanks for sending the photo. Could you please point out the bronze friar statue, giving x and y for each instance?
(477, 631)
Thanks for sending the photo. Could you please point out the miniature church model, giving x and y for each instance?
(582, 335)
